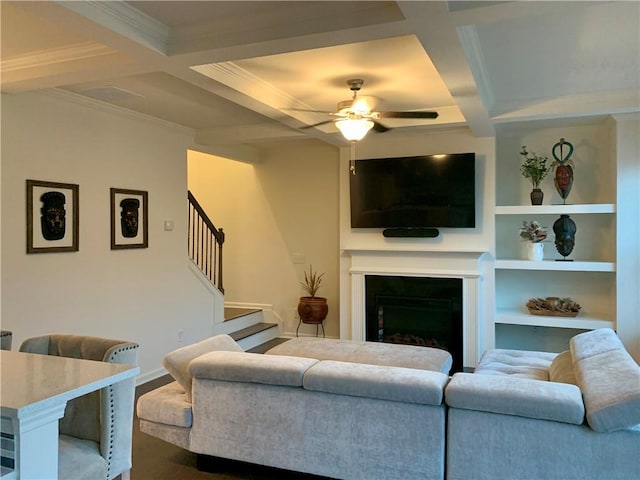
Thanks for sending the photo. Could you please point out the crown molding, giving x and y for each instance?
(243, 81)
(125, 20)
(578, 105)
(67, 96)
(53, 56)
(252, 86)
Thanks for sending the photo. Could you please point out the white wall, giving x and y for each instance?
(479, 239)
(627, 141)
(142, 295)
(285, 206)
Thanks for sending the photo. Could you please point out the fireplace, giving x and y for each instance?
(421, 311)
(463, 268)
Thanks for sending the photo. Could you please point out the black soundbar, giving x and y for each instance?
(411, 232)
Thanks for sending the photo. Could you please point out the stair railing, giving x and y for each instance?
(205, 243)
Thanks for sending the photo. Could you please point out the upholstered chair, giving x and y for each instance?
(5, 339)
(96, 430)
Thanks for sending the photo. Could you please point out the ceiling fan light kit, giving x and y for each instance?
(355, 117)
(354, 129)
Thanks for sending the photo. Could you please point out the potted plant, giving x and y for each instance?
(533, 233)
(312, 309)
(535, 168)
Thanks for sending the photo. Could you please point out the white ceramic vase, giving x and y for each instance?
(535, 251)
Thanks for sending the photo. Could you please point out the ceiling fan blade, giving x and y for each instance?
(378, 127)
(316, 124)
(305, 110)
(408, 114)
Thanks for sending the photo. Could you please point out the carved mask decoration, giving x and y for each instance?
(129, 217)
(52, 220)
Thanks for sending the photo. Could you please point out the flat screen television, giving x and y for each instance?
(426, 191)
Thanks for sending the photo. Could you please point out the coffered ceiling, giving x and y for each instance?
(244, 73)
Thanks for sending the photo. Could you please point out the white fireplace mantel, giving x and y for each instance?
(463, 265)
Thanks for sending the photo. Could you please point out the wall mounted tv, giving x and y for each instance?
(426, 191)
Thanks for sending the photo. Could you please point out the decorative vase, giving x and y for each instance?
(313, 310)
(565, 229)
(537, 196)
(535, 251)
(563, 179)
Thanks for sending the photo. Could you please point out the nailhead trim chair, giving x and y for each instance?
(96, 430)
(5, 339)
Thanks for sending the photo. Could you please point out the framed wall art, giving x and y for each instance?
(129, 219)
(52, 217)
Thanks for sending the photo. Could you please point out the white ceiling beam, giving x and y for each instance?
(125, 20)
(431, 22)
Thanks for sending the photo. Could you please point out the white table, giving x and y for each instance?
(34, 390)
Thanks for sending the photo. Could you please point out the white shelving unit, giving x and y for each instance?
(555, 209)
(590, 278)
(515, 317)
(557, 266)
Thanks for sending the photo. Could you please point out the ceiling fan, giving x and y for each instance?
(354, 117)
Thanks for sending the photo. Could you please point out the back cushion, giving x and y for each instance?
(177, 362)
(609, 379)
(561, 369)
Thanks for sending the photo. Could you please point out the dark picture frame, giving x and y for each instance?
(129, 219)
(52, 217)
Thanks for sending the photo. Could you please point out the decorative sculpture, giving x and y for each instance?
(52, 220)
(564, 169)
(565, 230)
(129, 217)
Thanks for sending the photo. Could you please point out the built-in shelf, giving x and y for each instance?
(555, 209)
(517, 317)
(557, 266)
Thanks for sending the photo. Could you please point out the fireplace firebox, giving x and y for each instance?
(421, 311)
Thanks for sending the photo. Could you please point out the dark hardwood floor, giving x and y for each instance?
(154, 459)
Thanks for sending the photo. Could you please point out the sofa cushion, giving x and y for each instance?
(251, 368)
(609, 379)
(166, 404)
(372, 353)
(516, 363)
(594, 342)
(561, 369)
(374, 381)
(177, 362)
(511, 395)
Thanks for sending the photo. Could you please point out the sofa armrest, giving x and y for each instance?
(251, 368)
(397, 384)
(516, 396)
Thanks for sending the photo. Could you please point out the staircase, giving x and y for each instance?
(248, 328)
(245, 325)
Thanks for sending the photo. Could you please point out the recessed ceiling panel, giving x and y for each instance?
(594, 49)
(397, 74)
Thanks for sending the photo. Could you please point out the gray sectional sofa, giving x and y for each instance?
(534, 415)
(333, 416)
(359, 410)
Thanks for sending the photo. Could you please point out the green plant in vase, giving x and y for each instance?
(533, 233)
(535, 168)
